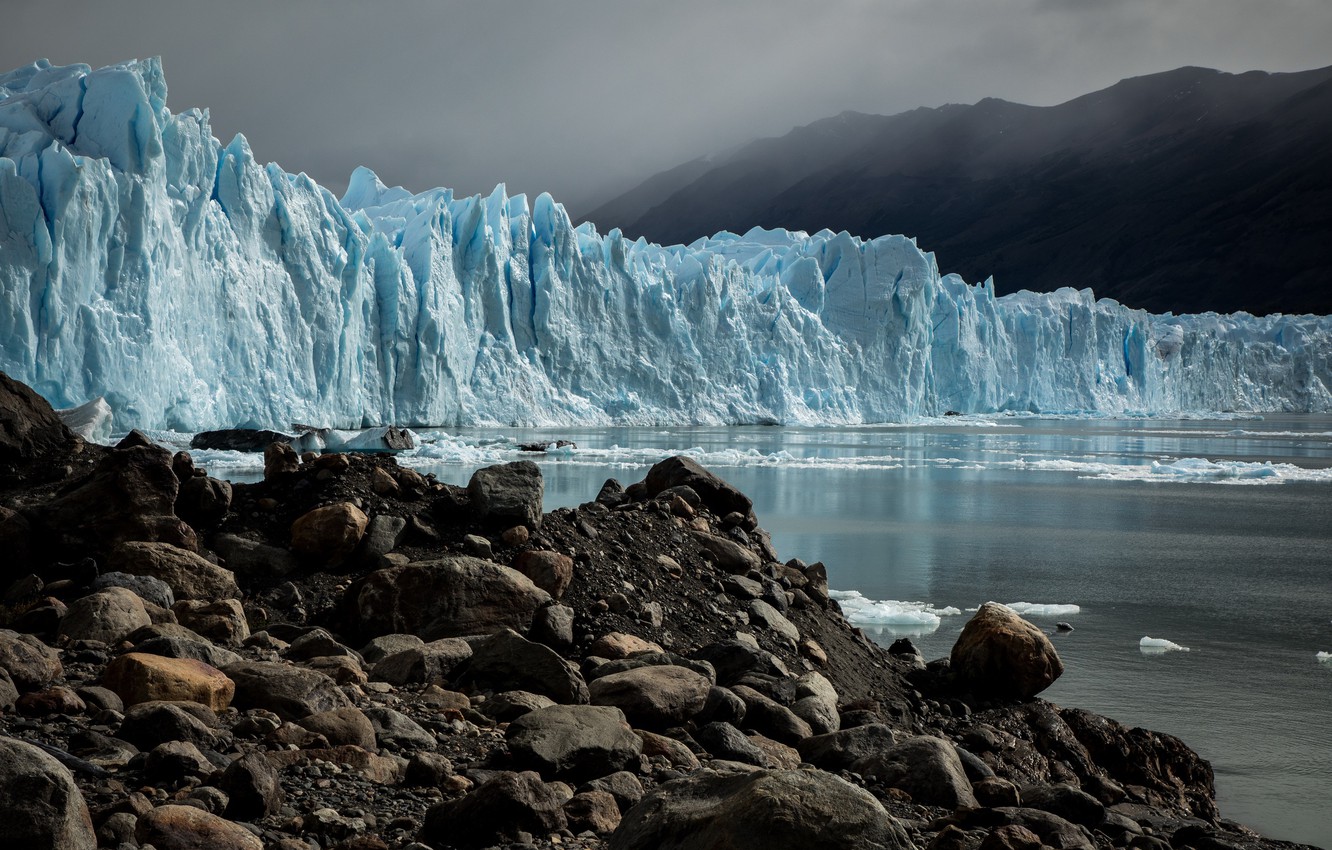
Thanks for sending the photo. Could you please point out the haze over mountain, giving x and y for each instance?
(1185, 191)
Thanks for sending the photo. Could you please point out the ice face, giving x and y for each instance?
(143, 261)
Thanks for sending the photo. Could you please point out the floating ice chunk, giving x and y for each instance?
(1157, 646)
(1041, 609)
(1324, 656)
(91, 421)
(859, 609)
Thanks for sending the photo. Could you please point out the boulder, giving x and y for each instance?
(30, 663)
(925, 767)
(280, 460)
(496, 812)
(253, 559)
(289, 692)
(327, 535)
(188, 575)
(203, 502)
(765, 615)
(107, 616)
(42, 806)
(197, 648)
(509, 493)
(451, 597)
(654, 697)
(252, 788)
(222, 621)
(239, 439)
(149, 589)
(733, 659)
(595, 811)
(839, 750)
(507, 661)
(130, 495)
(148, 724)
(176, 827)
(771, 717)
(396, 731)
(729, 555)
(1001, 655)
(724, 741)
(382, 647)
(510, 705)
(816, 703)
(343, 726)
(553, 626)
(139, 677)
(574, 741)
(620, 645)
(549, 571)
(429, 662)
(29, 427)
(720, 497)
(1071, 804)
(173, 761)
(763, 810)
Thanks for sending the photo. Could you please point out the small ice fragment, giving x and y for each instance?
(1042, 609)
(1324, 656)
(1156, 646)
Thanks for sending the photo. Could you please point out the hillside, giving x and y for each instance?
(1185, 191)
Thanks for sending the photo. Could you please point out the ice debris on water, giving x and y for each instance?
(193, 287)
(859, 609)
(1041, 609)
(1324, 656)
(1156, 646)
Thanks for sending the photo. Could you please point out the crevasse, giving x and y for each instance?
(143, 261)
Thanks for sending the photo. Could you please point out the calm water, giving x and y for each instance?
(1230, 559)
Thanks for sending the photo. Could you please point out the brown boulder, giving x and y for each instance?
(139, 677)
(29, 427)
(30, 663)
(41, 805)
(451, 597)
(107, 616)
(720, 497)
(329, 534)
(549, 571)
(999, 654)
(189, 575)
(175, 827)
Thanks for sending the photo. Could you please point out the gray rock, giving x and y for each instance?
(203, 502)
(450, 597)
(343, 726)
(382, 536)
(253, 788)
(396, 731)
(385, 645)
(730, 556)
(30, 663)
(925, 767)
(574, 741)
(553, 626)
(763, 810)
(147, 588)
(496, 812)
(623, 786)
(510, 705)
(771, 718)
(732, 659)
(253, 559)
(42, 806)
(1053, 830)
(1071, 804)
(653, 697)
(724, 741)
(840, 750)
(764, 614)
(190, 576)
(151, 723)
(679, 471)
(107, 616)
(173, 761)
(510, 492)
(742, 588)
(429, 662)
(816, 703)
(289, 692)
(507, 661)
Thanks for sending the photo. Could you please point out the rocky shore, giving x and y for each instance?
(351, 655)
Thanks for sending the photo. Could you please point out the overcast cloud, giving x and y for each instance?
(587, 97)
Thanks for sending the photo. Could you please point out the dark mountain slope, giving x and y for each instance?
(1190, 190)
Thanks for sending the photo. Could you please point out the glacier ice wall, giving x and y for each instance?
(144, 261)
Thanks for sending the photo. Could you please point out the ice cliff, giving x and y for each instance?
(144, 261)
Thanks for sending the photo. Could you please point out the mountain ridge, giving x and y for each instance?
(1216, 180)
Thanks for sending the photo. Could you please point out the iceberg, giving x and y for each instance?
(192, 287)
(1043, 609)
(1157, 646)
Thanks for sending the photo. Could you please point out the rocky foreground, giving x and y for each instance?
(350, 655)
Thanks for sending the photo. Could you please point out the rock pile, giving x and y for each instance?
(351, 655)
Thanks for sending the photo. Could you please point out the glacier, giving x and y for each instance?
(144, 262)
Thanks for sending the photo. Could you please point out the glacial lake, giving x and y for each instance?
(1215, 535)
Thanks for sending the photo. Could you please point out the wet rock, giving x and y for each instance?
(42, 806)
(139, 677)
(1000, 654)
(574, 741)
(449, 597)
(327, 535)
(654, 697)
(107, 616)
(509, 492)
(178, 827)
(289, 692)
(764, 810)
(925, 767)
(188, 575)
(497, 810)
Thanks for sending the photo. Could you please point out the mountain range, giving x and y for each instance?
(1191, 190)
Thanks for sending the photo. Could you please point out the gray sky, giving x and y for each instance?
(587, 97)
